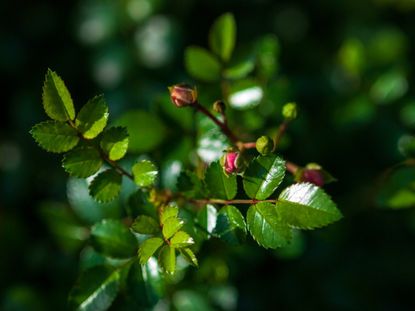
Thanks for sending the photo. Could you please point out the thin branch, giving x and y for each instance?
(103, 156)
(281, 131)
(228, 202)
(223, 126)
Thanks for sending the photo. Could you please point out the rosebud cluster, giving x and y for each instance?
(183, 95)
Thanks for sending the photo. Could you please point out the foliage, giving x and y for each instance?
(173, 225)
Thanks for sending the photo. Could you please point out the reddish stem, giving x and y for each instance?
(223, 126)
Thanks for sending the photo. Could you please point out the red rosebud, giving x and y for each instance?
(313, 176)
(183, 95)
(230, 164)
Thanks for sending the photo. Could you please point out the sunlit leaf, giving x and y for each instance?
(201, 64)
(56, 98)
(167, 259)
(181, 239)
(222, 36)
(266, 227)
(148, 248)
(92, 118)
(188, 254)
(55, 136)
(145, 173)
(114, 142)
(263, 175)
(171, 226)
(306, 206)
(219, 184)
(96, 289)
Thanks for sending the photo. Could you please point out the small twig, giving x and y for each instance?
(103, 156)
(222, 125)
(228, 202)
(280, 133)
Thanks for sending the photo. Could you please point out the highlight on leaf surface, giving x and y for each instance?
(55, 136)
(56, 98)
(114, 142)
(263, 176)
(145, 173)
(266, 227)
(105, 186)
(306, 206)
(93, 117)
(96, 289)
(148, 248)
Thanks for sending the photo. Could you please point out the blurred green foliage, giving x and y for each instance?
(347, 64)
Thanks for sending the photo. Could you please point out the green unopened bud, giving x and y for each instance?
(183, 95)
(219, 106)
(289, 111)
(264, 145)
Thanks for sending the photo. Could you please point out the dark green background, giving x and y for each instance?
(364, 262)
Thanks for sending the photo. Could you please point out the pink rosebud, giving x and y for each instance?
(230, 164)
(183, 95)
(313, 176)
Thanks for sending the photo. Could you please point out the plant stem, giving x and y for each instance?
(223, 126)
(281, 131)
(227, 202)
(103, 156)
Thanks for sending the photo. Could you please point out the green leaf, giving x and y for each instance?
(55, 136)
(144, 286)
(56, 98)
(145, 173)
(398, 189)
(112, 238)
(230, 225)
(82, 162)
(147, 130)
(245, 94)
(306, 206)
(263, 175)
(148, 248)
(169, 211)
(106, 186)
(145, 225)
(114, 142)
(265, 226)
(93, 117)
(219, 184)
(188, 254)
(389, 87)
(181, 239)
(222, 36)
(240, 69)
(201, 64)
(167, 259)
(206, 218)
(95, 290)
(211, 141)
(171, 226)
(267, 50)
